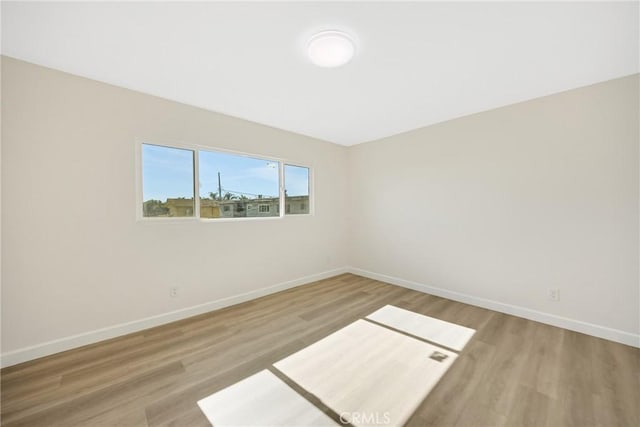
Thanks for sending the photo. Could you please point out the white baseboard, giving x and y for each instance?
(599, 331)
(79, 340)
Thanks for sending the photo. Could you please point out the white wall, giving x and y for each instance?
(503, 205)
(74, 258)
(495, 207)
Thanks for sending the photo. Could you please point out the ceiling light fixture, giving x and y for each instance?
(331, 49)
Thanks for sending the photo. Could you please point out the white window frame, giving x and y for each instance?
(196, 148)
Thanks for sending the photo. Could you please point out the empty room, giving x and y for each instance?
(320, 213)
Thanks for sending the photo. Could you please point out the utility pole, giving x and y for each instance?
(219, 188)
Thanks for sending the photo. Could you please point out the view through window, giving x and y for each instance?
(230, 185)
(296, 180)
(233, 186)
(167, 181)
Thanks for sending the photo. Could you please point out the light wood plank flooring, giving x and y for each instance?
(514, 372)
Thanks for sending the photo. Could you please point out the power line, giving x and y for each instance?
(247, 194)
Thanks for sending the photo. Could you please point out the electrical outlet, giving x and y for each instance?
(173, 291)
(554, 294)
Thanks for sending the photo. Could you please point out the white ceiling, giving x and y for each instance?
(416, 64)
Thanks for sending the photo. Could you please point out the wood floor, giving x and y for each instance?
(513, 372)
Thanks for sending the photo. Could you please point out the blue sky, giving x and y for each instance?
(296, 180)
(167, 173)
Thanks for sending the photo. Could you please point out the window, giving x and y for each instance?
(296, 180)
(225, 177)
(228, 185)
(167, 181)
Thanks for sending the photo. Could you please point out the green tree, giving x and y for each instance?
(154, 208)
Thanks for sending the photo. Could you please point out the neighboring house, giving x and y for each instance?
(237, 208)
(209, 208)
(179, 207)
(242, 208)
(297, 205)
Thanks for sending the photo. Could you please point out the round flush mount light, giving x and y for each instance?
(331, 49)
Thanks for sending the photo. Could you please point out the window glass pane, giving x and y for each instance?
(233, 186)
(296, 181)
(167, 182)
